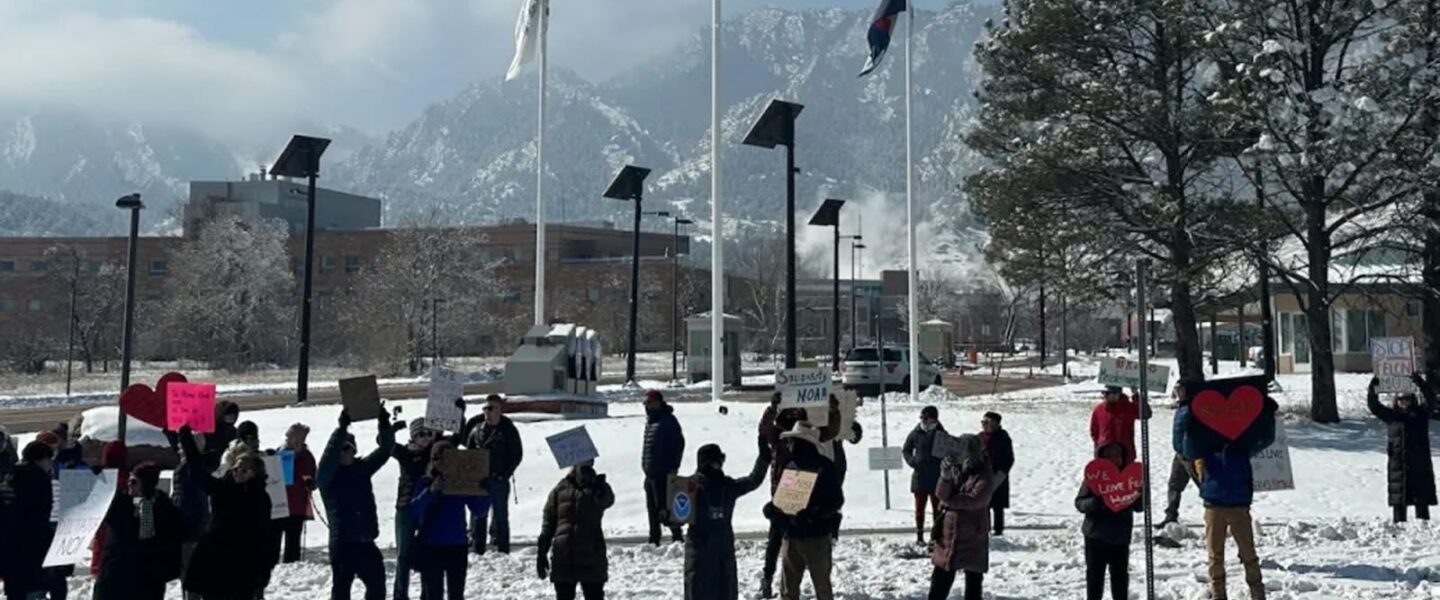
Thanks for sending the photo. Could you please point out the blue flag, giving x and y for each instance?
(881, 28)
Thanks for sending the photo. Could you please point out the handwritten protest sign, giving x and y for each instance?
(1124, 372)
(887, 459)
(441, 413)
(84, 499)
(572, 447)
(680, 500)
(1394, 361)
(275, 488)
(463, 472)
(944, 445)
(803, 388)
(190, 404)
(1117, 488)
(287, 465)
(361, 397)
(793, 493)
(1270, 469)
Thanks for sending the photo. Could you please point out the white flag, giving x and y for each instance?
(525, 35)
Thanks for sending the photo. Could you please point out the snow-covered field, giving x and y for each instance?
(1327, 539)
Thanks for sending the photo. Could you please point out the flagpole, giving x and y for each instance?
(540, 250)
(717, 251)
(910, 204)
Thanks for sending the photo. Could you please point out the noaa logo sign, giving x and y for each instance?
(681, 506)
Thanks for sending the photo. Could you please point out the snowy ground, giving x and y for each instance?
(1327, 539)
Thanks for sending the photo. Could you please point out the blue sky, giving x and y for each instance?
(237, 68)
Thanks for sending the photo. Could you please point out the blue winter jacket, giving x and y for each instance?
(441, 518)
(1226, 480)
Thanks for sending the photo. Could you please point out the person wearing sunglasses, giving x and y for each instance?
(498, 435)
(414, 461)
(344, 479)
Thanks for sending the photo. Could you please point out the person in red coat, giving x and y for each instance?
(1113, 421)
(298, 492)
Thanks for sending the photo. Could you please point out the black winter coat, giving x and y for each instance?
(28, 496)
(571, 526)
(664, 444)
(919, 454)
(822, 514)
(1102, 524)
(189, 494)
(128, 560)
(710, 571)
(414, 466)
(230, 560)
(347, 491)
(1001, 452)
(1411, 473)
(503, 443)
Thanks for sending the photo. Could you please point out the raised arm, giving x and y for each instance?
(1372, 400)
(758, 472)
(385, 445)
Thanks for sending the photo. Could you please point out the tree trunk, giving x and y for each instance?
(1323, 408)
(1430, 211)
(1182, 310)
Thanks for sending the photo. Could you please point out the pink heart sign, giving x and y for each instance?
(1228, 416)
(1118, 489)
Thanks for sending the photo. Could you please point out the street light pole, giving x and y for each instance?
(435, 330)
(828, 215)
(70, 336)
(675, 299)
(776, 127)
(629, 184)
(131, 203)
(301, 158)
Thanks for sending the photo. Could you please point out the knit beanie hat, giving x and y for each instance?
(48, 438)
(417, 427)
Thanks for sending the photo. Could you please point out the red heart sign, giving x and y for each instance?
(1230, 416)
(162, 386)
(1118, 489)
(141, 402)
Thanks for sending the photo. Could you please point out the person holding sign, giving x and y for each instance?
(229, 561)
(441, 547)
(414, 461)
(1107, 532)
(1410, 471)
(29, 500)
(298, 489)
(497, 435)
(919, 454)
(966, 484)
(1113, 420)
(143, 533)
(344, 480)
(710, 571)
(1000, 451)
(807, 542)
(659, 459)
(571, 548)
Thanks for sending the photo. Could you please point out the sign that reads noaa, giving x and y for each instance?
(803, 388)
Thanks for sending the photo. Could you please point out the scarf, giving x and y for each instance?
(145, 512)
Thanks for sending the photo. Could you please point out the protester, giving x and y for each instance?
(1228, 489)
(1181, 470)
(29, 498)
(229, 562)
(1410, 471)
(1113, 420)
(918, 452)
(69, 455)
(9, 456)
(496, 434)
(571, 548)
(298, 491)
(345, 486)
(808, 541)
(964, 490)
(1000, 451)
(1107, 535)
(227, 414)
(144, 531)
(247, 441)
(659, 459)
(773, 423)
(441, 547)
(414, 461)
(710, 571)
(191, 498)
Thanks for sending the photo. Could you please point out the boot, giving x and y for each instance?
(1168, 520)
(920, 537)
(1257, 593)
(767, 590)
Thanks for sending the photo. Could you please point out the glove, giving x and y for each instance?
(1374, 383)
(460, 404)
(1417, 380)
(542, 565)
(344, 418)
(397, 426)
(773, 512)
(764, 446)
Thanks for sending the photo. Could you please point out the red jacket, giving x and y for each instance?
(299, 492)
(1115, 424)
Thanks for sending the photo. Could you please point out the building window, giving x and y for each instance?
(512, 296)
(1353, 329)
(158, 268)
(593, 295)
(6, 305)
(7, 266)
(327, 263)
(39, 266)
(92, 266)
(36, 305)
(353, 264)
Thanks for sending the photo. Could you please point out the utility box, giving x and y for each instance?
(697, 353)
(554, 359)
(937, 342)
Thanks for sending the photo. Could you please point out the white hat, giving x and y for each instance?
(803, 430)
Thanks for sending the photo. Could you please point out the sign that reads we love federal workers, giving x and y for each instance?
(803, 388)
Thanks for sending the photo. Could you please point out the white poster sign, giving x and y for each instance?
(1270, 470)
(446, 386)
(887, 459)
(1394, 362)
(572, 447)
(84, 499)
(1124, 372)
(803, 388)
(275, 488)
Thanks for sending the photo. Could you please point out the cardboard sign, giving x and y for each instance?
(275, 488)
(361, 397)
(1118, 489)
(572, 447)
(1124, 372)
(142, 403)
(287, 465)
(1394, 362)
(84, 500)
(680, 499)
(446, 386)
(887, 459)
(793, 493)
(803, 388)
(1228, 412)
(190, 404)
(1270, 469)
(463, 472)
(945, 445)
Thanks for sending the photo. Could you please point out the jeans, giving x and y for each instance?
(807, 554)
(1422, 512)
(350, 560)
(293, 527)
(654, 505)
(1099, 557)
(772, 550)
(1221, 523)
(593, 590)
(443, 574)
(404, 540)
(941, 580)
(1181, 474)
(499, 531)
